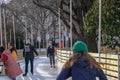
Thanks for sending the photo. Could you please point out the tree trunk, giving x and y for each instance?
(79, 10)
(91, 42)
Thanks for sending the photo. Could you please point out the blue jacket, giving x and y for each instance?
(80, 71)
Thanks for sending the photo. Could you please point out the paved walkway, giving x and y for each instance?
(42, 71)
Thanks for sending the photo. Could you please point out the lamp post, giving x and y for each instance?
(1, 23)
(14, 30)
(99, 36)
(59, 26)
(5, 27)
(71, 24)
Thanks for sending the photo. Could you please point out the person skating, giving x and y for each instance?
(12, 69)
(50, 54)
(28, 54)
(81, 66)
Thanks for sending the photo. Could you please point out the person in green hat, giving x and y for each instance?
(81, 66)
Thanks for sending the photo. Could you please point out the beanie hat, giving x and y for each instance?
(79, 46)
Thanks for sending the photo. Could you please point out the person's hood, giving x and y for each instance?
(81, 63)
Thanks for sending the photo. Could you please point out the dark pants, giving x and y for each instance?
(27, 59)
(52, 60)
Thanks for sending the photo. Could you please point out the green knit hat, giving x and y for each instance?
(79, 46)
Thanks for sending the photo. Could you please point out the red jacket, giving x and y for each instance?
(11, 66)
(4, 57)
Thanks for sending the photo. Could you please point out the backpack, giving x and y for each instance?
(27, 48)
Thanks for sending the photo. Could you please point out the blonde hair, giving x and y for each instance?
(91, 61)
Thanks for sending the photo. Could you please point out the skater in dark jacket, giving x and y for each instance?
(50, 54)
(28, 54)
(81, 66)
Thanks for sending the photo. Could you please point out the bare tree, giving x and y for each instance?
(79, 10)
(39, 18)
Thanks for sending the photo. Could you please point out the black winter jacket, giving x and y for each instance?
(31, 53)
(50, 51)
